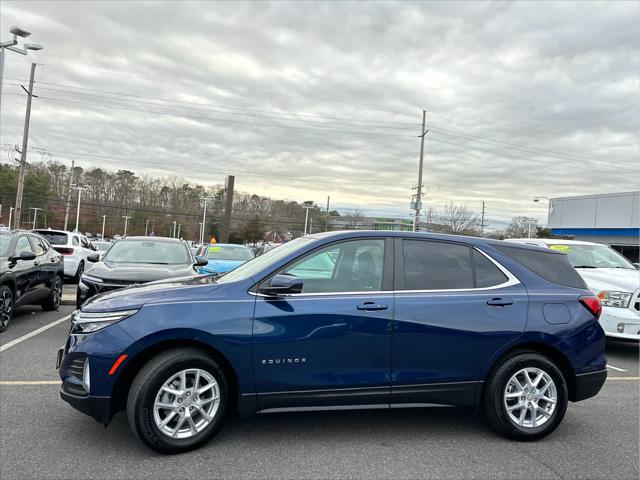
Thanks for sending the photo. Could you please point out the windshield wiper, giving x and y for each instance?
(584, 266)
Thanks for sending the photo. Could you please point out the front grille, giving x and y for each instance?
(76, 368)
(123, 283)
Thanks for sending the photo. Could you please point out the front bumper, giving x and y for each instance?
(621, 323)
(588, 385)
(96, 407)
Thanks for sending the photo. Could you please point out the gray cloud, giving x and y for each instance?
(555, 76)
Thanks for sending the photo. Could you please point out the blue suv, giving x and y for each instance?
(371, 319)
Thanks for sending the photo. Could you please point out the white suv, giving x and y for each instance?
(74, 247)
(610, 276)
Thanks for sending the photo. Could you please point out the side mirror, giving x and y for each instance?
(93, 257)
(201, 261)
(282, 284)
(637, 265)
(24, 255)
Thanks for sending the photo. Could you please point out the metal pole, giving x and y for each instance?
(226, 226)
(174, 229)
(306, 219)
(104, 217)
(204, 219)
(25, 143)
(126, 221)
(66, 213)
(10, 215)
(179, 226)
(423, 132)
(146, 225)
(326, 227)
(482, 221)
(78, 209)
(529, 228)
(2, 79)
(35, 216)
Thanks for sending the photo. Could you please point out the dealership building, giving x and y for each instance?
(611, 218)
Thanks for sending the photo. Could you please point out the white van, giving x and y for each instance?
(614, 279)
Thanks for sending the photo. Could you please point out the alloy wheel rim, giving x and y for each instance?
(6, 306)
(530, 397)
(186, 403)
(57, 292)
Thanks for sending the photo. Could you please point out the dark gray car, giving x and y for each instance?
(135, 260)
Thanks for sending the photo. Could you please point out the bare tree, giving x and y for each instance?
(459, 219)
(521, 227)
(353, 218)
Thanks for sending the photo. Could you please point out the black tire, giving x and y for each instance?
(494, 406)
(55, 295)
(6, 307)
(79, 272)
(146, 386)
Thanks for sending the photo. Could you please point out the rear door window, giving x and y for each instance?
(436, 265)
(552, 266)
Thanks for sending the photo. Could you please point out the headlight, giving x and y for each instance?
(615, 299)
(84, 322)
(91, 279)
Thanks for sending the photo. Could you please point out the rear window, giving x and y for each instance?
(55, 238)
(550, 266)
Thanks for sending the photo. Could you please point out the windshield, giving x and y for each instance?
(593, 256)
(5, 240)
(228, 252)
(148, 251)
(252, 267)
(55, 238)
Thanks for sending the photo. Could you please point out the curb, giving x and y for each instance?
(68, 299)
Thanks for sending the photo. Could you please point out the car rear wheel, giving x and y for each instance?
(6, 307)
(526, 397)
(55, 295)
(177, 401)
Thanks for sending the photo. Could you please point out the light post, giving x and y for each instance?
(35, 215)
(200, 232)
(179, 226)
(306, 216)
(12, 45)
(204, 218)
(126, 221)
(104, 218)
(174, 228)
(78, 208)
(10, 215)
(549, 209)
(146, 226)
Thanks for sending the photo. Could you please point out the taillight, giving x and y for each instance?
(64, 250)
(593, 305)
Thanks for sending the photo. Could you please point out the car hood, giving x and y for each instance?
(222, 266)
(137, 295)
(620, 279)
(139, 272)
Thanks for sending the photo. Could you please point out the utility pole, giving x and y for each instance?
(104, 218)
(66, 213)
(25, 142)
(126, 221)
(35, 215)
(482, 221)
(418, 205)
(226, 225)
(326, 227)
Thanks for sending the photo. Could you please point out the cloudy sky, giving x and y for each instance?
(301, 100)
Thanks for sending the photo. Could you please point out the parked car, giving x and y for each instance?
(399, 319)
(223, 257)
(135, 260)
(74, 247)
(101, 247)
(265, 247)
(31, 273)
(609, 275)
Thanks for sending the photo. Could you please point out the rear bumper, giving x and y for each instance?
(96, 407)
(588, 385)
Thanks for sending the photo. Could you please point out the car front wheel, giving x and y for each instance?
(526, 397)
(177, 401)
(6, 307)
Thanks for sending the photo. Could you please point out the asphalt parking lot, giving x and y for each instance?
(42, 437)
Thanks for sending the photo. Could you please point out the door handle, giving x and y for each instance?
(372, 306)
(36, 263)
(498, 302)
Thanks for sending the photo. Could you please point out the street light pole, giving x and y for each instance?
(10, 215)
(146, 226)
(204, 218)
(104, 217)
(126, 221)
(78, 207)
(35, 215)
(306, 217)
(200, 232)
(174, 228)
(179, 226)
(12, 45)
